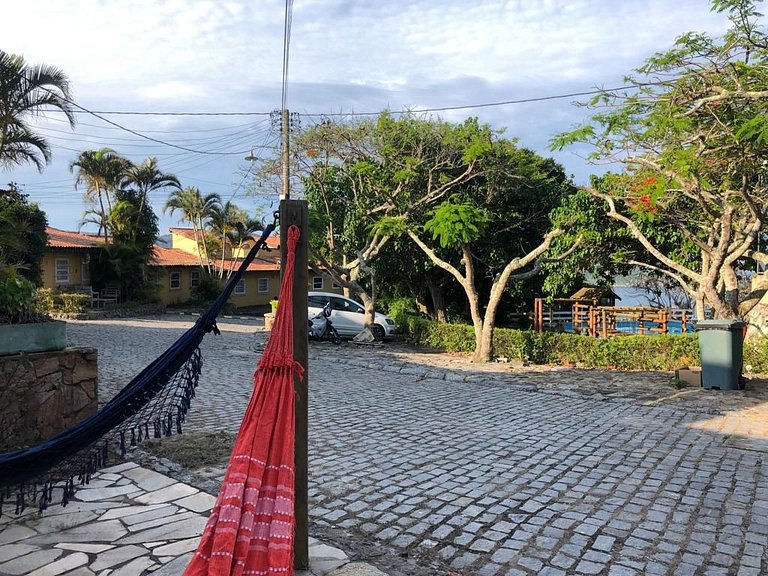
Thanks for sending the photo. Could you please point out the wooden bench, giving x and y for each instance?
(109, 295)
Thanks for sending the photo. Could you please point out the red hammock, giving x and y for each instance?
(251, 527)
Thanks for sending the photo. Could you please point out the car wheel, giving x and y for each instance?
(378, 332)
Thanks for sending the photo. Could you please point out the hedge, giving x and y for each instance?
(631, 352)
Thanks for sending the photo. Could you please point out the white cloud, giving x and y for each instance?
(346, 55)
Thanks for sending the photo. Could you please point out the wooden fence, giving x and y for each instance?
(582, 317)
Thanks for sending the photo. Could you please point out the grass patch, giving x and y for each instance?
(680, 384)
(194, 450)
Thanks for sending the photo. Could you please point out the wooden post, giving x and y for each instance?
(538, 315)
(295, 212)
(605, 326)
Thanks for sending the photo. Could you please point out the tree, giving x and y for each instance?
(355, 173)
(692, 137)
(22, 234)
(242, 231)
(101, 171)
(483, 199)
(26, 92)
(146, 178)
(225, 220)
(197, 210)
(491, 229)
(134, 232)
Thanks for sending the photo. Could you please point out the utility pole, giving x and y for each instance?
(294, 212)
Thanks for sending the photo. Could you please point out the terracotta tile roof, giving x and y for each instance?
(66, 239)
(173, 257)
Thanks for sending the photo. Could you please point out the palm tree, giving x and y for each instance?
(27, 91)
(147, 177)
(102, 171)
(243, 231)
(197, 210)
(226, 217)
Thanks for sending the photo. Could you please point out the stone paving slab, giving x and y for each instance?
(107, 539)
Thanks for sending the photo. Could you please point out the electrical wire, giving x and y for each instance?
(108, 121)
(405, 111)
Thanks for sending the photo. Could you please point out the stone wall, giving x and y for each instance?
(44, 393)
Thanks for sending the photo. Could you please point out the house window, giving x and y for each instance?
(174, 278)
(317, 282)
(263, 285)
(194, 278)
(85, 269)
(62, 271)
(240, 287)
(336, 286)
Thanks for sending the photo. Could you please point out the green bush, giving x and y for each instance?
(72, 302)
(400, 308)
(756, 355)
(662, 352)
(44, 300)
(207, 291)
(16, 296)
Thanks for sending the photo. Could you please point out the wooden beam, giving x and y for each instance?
(295, 212)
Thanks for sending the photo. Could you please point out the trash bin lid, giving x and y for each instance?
(719, 325)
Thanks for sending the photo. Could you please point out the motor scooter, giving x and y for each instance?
(321, 328)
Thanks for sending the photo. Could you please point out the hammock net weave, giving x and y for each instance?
(152, 405)
(251, 528)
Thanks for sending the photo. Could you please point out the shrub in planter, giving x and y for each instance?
(17, 299)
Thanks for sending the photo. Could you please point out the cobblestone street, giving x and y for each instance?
(497, 471)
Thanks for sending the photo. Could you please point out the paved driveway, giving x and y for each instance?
(485, 476)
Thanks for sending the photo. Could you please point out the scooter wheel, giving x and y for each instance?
(334, 336)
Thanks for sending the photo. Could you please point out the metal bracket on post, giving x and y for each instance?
(295, 212)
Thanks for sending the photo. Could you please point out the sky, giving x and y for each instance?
(224, 59)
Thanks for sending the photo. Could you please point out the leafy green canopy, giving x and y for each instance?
(692, 138)
(22, 234)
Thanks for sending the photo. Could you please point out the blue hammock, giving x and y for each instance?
(152, 405)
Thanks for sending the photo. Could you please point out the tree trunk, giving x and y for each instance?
(757, 314)
(700, 307)
(731, 294)
(437, 294)
(103, 214)
(484, 351)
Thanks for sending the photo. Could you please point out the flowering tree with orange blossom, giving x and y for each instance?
(692, 137)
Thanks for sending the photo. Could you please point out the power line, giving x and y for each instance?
(138, 113)
(406, 111)
(485, 104)
(103, 119)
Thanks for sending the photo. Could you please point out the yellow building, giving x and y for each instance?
(180, 271)
(66, 262)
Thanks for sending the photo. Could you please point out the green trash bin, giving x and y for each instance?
(720, 344)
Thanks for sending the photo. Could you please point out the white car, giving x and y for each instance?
(348, 316)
